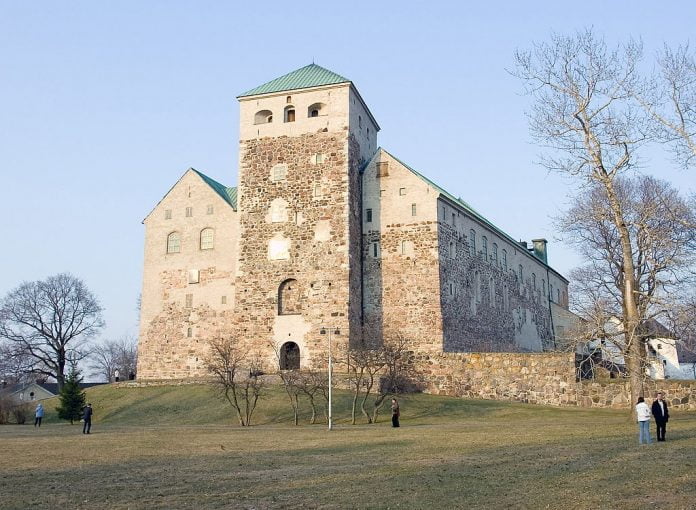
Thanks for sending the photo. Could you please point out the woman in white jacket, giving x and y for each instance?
(643, 414)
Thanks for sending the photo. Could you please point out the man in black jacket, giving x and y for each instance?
(661, 414)
(87, 418)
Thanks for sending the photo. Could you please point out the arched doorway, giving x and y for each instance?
(289, 356)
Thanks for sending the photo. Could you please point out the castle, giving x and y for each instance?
(327, 229)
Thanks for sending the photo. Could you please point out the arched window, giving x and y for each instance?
(289, 114)
(452, 250)
(533, 281)
(289, 356)
(472, 242)
(504, 260)
(558, 296)
(484, 242)
(174, 242)
(543, 288)
(316, 109)
(494, 258)
(207, 239)
(263, 117)
(491, 290)
(506, 298)
(359, 121)
(289, 298)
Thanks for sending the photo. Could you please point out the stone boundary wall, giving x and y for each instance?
(536, 378)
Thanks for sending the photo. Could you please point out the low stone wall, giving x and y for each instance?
(537, 378)
(678, 394)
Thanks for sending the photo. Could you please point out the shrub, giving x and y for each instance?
(21, 412)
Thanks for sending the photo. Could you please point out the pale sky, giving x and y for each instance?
(105, 104)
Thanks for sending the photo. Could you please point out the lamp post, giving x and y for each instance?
(335, 331)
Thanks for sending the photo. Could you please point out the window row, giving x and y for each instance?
(369, 215)
(206, 240)
(289, 112)
(188, 213)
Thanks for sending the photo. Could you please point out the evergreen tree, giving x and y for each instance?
(72, 399)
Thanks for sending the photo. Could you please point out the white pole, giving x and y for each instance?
(330, 369)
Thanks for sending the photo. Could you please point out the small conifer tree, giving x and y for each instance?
(72, 399)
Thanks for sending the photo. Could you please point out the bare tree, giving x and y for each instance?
(583, 114)
(313, 383)
(15, 364)
(51, 321)
(376, 373)
(236, 377)
(669, 97)
(111, 355)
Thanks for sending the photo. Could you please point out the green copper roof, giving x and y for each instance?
(229, 195)
(303, 78)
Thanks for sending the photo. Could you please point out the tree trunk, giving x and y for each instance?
(632, 348)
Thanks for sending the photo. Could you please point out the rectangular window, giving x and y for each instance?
(168, 214)
(194, 276)
(280, 172)
(375, 250)
(317, 190)
(223, 300)
(402, 191)
(368, 215)
(189, 332)
(454, 220)
(209, 210)
(413, 209)
(189, 212)
(317, 159)
(451, 289)
(382, 192)
(383, 169)
(189, 300)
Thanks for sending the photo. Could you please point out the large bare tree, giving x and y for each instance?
(236, 376)
(663, 253)
(584, 115)
(117, 354)
(51, 322)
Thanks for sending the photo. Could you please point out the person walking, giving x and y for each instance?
(87, 418)
(661, 415)
(38, 414)
(643, 414)
(395, 413)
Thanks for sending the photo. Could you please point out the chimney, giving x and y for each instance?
(540, 250)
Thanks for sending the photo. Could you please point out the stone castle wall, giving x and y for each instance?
(536, 378)
(307, 239)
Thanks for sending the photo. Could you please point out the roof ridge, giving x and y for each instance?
(312, 75)
(473, 211)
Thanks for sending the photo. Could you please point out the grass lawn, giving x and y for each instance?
(180, 447)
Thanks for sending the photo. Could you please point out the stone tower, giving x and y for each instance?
(304, 138)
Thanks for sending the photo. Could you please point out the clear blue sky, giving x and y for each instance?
(103, 105)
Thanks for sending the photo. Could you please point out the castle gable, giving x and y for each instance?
(226, 193)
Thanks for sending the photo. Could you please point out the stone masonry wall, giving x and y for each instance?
(315, 229)
(536, 378)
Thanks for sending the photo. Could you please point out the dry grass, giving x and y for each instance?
(179, 448)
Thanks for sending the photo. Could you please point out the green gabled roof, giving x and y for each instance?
(471, 211)
(229, 195)
(303, 78)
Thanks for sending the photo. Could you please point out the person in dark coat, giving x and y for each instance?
(395, 413)
(87, 418)
(661, 414)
